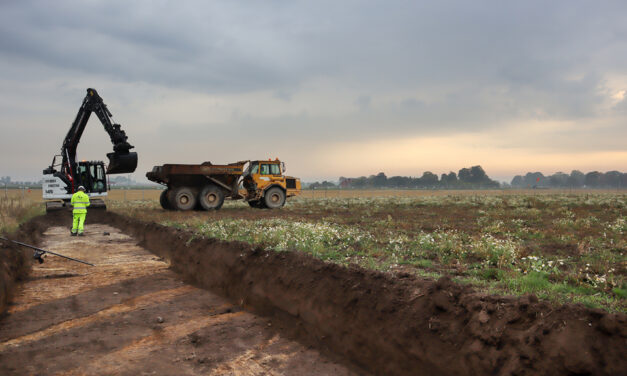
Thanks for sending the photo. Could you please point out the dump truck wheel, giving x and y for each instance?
(163, 200)
(211, 198)
(182, 198)
(274, 198)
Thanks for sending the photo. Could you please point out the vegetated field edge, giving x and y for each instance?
(560, 247)
(565, 247)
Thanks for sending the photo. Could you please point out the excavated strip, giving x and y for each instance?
(395, 324)
(130, 305)
(132, 315)
(114, 264)
(116, 362)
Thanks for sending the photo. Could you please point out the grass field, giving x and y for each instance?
(562, 246)
(559, 246)
(14, 210)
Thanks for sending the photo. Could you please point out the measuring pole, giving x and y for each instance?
(39, 252)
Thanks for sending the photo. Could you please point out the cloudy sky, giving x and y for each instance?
(331, 87)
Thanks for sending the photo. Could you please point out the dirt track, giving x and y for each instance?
(131, 315)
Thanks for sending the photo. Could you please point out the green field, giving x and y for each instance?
(561, 247)
(565, 247)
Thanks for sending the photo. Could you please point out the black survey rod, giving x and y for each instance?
(40, 252)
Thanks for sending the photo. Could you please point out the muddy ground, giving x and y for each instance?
(277, 313)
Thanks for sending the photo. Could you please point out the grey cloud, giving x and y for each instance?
(363, 102)
(235, 46)
(409, 68)
(283, 95)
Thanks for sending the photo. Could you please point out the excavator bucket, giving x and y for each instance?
(122, 163)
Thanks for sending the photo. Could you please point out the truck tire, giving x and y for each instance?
(182, 198)
(211, 197)
(163, 200)
(274, 198)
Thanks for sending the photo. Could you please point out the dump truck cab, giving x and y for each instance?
(265, 185)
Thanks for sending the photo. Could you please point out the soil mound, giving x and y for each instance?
(395, 324)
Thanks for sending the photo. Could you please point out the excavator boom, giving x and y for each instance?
(121, 161)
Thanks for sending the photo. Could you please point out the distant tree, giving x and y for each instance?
(534, 179)
(324, 185)
(576, 179)
(518, 181)
(399, 182)
(611, 179)
(379, 180)
(478, 175)
(448, 180)
(593, 179)
(464, 175)
(558, 179)
(359, 182)
(429, 179)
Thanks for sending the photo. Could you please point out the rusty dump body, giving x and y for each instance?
(175, 175)
(206, 186)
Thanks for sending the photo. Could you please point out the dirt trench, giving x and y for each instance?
(132, 315)
(387, 324)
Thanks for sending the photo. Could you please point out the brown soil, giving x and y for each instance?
(384, 323)
(397, 324)
(15, 261)
(131, 315)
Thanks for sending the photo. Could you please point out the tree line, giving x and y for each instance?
(476, 178)
(467, 178)
(576, 179)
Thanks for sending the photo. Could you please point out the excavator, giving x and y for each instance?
(65, 174)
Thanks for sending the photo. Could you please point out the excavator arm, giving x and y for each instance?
(121, 160)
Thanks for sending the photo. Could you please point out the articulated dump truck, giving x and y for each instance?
(206, 186)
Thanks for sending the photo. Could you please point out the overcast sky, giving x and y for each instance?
(331, 87)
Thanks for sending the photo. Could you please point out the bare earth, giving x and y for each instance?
(131, 315)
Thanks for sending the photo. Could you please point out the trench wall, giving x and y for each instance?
(16, 261)
(394, 324)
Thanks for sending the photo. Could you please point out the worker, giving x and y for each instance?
(80, 202)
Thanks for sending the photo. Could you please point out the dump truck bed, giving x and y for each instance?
(165, 173)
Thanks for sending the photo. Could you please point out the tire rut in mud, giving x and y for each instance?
(394, 324)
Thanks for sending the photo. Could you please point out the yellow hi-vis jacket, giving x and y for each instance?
(80, 202)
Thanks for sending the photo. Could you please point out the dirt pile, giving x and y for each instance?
(395, 324)
(15, 261)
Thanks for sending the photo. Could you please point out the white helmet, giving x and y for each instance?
(81, 188)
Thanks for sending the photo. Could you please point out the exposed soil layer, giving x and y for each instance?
(132, 315)
(15, 261)
(395, 324)
(70, 319)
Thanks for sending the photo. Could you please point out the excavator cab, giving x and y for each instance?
(122, 163)
(91, 175)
